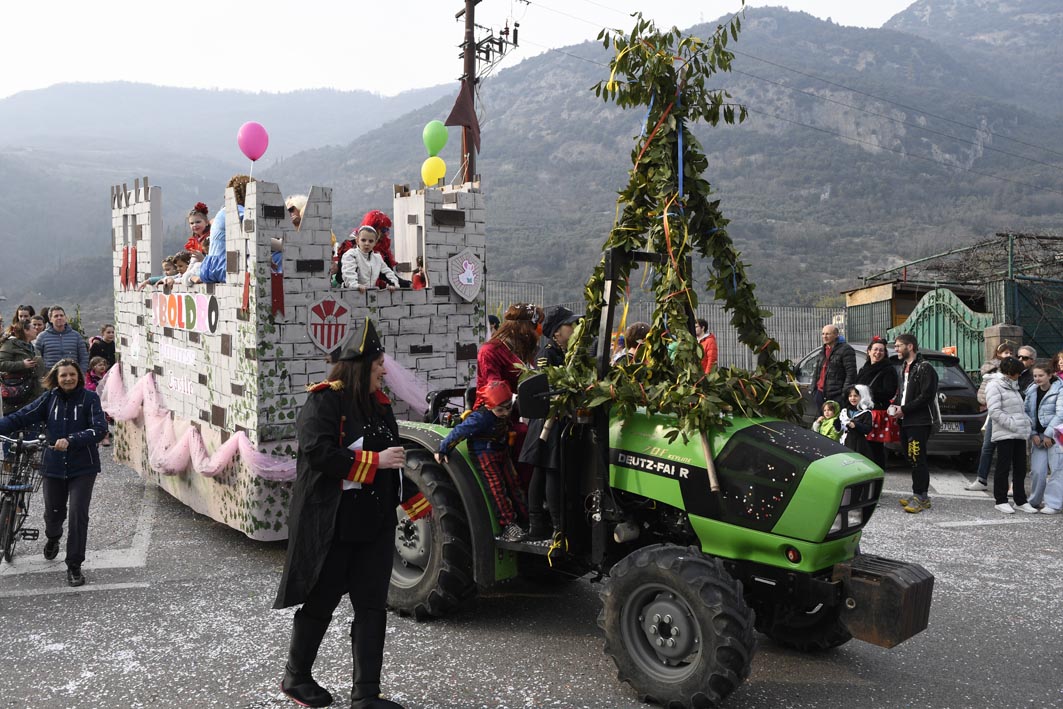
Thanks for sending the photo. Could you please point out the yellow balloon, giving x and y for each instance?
(433, 170)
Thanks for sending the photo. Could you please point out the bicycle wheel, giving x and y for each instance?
(7, 527)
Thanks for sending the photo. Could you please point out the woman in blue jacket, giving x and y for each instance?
(1044, 406)
(74, 423)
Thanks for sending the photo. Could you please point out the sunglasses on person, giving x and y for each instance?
(1025, 357)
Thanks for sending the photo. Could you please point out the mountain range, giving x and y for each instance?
(863, 148)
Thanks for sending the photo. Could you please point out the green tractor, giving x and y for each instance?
(705, 513)
(696, 548)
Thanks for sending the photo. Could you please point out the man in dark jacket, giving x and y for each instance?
(915, 405)
(835, 368)
(60, 341)
(1027, 355)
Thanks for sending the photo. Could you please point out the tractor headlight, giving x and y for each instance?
(837, 526)
(857, 503)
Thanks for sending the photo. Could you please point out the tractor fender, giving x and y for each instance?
(462, 475)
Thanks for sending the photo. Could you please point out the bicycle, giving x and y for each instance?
(20, 477)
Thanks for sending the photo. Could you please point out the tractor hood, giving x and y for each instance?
(775, 477)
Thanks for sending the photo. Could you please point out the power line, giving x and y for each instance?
(842, 86)
(850, 138)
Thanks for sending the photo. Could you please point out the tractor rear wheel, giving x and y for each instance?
(432, 570)
(677, 626)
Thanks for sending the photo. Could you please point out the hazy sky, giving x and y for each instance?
(385, 46)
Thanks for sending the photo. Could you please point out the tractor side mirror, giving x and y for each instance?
(533, 397)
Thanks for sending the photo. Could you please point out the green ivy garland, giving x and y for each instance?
(666, 72)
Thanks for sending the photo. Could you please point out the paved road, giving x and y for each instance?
(176, 614)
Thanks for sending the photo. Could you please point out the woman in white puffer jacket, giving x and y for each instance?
(1011, 428)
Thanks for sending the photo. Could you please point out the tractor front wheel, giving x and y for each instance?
(432, 569)
(677, 626)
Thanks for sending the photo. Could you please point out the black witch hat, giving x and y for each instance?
(363, 342)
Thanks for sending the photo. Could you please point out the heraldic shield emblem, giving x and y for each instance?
(466, 274)
(328, 323)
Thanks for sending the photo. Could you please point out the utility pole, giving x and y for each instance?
(468, 149)
(489, 50)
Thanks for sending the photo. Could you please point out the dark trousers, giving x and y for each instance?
(913, 443)
(878, 453)
(1011, 453)
(545, 487)
(362, 571)
(58, 494)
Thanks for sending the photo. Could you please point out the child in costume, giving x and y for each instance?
(827, 424)
(362, 266)
(199, 223)
(855, 419)
(488, 430)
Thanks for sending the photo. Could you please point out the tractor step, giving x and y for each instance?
(884, 601)
(540, 548)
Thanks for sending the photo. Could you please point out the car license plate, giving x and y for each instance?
(951, 427)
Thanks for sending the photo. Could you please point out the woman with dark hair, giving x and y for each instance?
(74, 424)
(21, 369)
(512, 345)
(880, 376)
(341, 524)
(1011, 429)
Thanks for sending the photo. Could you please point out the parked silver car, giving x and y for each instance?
(962, 417)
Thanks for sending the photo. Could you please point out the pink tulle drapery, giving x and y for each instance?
(170, 455)
(405, 385)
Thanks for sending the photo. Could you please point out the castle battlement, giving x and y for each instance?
(235, 358)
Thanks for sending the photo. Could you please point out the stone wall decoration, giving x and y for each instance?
(466, 274)
(328, 323)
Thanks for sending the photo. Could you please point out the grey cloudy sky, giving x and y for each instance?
(269, 45)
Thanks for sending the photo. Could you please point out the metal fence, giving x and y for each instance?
(502, 294)
(795, 328)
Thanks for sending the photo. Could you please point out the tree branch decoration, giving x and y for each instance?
(668, 208)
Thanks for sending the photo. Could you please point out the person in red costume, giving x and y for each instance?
(512, 345)
(199, 223)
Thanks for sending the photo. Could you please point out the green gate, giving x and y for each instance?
(941, 320)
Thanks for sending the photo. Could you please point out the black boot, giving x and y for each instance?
(540, 529)
(298, 684)
(367, 645)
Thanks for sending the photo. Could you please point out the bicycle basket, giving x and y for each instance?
(21, 473)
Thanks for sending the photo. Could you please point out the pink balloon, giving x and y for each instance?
(253, 140)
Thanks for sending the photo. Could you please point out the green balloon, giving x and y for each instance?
(434, 136)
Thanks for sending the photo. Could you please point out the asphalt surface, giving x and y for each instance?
(176, 613)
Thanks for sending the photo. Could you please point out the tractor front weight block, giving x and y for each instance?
(884, 602)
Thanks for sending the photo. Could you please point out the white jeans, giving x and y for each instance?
(1041, 460)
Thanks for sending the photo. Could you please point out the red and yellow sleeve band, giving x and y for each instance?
(417, 507)
(364, 468)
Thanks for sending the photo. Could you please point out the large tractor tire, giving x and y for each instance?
(808, 630)
(432, 571)
(677, 627)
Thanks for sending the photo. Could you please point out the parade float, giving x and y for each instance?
(210, 377)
